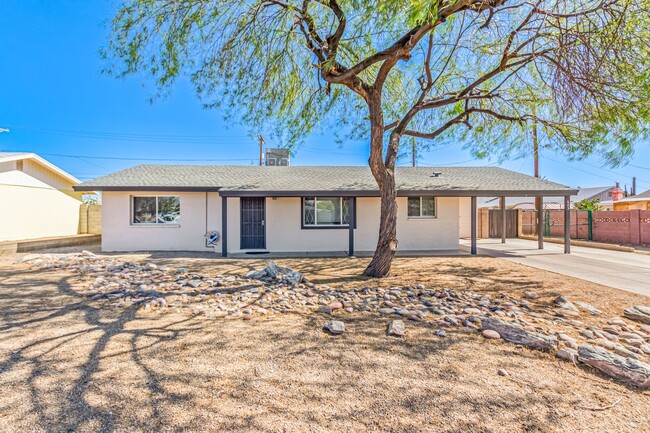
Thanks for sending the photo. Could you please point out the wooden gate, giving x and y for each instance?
(494, 219)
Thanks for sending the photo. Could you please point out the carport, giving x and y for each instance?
(539, 195)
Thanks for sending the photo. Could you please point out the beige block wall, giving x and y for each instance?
(283, 228)
(90, 219)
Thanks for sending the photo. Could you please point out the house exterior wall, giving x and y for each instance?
(118, 234)
(283, 226)
(629, 205)
(465, 217)
(36, 204)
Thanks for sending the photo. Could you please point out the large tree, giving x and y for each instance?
(473, 71)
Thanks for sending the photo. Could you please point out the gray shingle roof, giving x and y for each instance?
(251, 180)
(644, 194)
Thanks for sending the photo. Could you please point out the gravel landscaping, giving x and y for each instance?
(166, 343)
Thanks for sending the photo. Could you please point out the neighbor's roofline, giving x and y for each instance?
(340, 192)
(626, 200)
(30, 155)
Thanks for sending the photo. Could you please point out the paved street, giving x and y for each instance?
(626, 271)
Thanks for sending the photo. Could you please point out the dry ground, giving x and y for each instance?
(67, 364)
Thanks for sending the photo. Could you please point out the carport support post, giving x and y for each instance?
(540, 222)
(473, 224)
(567, 224)
(351, 221)
(503, 219)
(224, 226)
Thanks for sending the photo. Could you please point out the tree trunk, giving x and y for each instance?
(384, 173)
(387, 242)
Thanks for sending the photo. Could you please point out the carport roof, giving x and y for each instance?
(238, 181)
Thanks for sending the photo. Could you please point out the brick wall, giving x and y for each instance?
(630, 227)
(90, 219)
(644, 227)
(612, 227)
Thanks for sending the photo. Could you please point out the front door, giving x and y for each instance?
(253, 214)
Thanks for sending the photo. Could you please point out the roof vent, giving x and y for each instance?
(436, 174)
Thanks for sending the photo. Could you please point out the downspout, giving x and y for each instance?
(206, 211)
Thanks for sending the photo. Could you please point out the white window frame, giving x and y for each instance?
(320, 226)
(423, 217)
(154, 224)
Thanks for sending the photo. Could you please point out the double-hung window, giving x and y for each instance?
(156, 210)
(325, 212)
(421, 207)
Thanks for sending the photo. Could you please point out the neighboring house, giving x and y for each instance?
(601, 193)
(640, 201)
(292, 209)
(37, 198)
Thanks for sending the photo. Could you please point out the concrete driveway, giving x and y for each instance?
(626, 271)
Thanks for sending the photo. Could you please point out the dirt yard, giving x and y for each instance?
(67, 364)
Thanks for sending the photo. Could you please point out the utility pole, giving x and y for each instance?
(535, 147)
(261, 140)
(413, 151)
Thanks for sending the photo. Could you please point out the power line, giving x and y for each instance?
(616, 173)
(121, 136)
(456, 163)
(121, 158)
(593, 174)
(31, 187)
(638, 166)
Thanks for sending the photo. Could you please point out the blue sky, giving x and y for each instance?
(56, 102)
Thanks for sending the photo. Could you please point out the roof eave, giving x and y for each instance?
(404, 193)
(84, 188)
(342, 193)
(47, 164)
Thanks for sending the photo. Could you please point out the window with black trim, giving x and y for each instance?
(421, 207)
(325, 211)
(156, 210)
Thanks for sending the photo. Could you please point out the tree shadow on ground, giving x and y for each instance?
(75, 411)
(243, 351)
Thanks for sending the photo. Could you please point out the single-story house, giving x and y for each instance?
(639, 201)
(37, 198)
(293, 209)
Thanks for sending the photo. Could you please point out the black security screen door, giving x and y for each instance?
(253, 233)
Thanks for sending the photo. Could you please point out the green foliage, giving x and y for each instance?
(592, 205)
(588, 84)
(91, 199)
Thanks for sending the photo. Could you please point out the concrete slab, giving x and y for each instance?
(621, 270)
(321, 254)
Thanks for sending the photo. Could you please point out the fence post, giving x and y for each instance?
(635, 227)
(589, 225)
(547, 223)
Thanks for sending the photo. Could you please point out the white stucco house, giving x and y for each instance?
(293, 209)
(37, 199)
